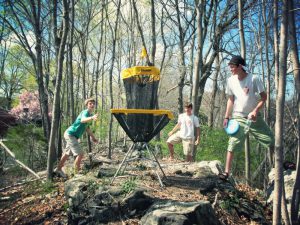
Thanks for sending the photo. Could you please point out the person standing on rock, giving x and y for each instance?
(72, 135)
(187, 122)
(244, 105)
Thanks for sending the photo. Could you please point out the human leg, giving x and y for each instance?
(229, 159)
(77, 162)
(187, 145)
(235, 143)
(264, 135)
(62, 161)
(171, 150)
(173, 139)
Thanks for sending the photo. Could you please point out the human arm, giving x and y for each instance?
(263, 98)
(89, 118)
(229, 108)
(94, 139)
(174, 129)
(197, 136)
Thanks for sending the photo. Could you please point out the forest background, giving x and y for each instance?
(54, 54)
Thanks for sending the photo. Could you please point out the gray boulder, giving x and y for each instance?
(180, 213)
(289, 181)
(75, 188)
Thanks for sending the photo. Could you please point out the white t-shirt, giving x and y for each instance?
(187, 124)
(245, 93)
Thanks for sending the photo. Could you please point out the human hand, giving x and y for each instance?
(197, 142)
(252, 115)
(95, 117)
(225, 122)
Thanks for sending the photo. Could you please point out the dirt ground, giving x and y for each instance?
(44, 203)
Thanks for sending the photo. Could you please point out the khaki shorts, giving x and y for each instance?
(187, 144)
(259, 130)
(72, 145)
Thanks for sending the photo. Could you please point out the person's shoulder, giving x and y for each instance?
(256, 78)
(231, 79)
(85, 112)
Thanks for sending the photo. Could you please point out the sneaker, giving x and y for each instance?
(60, 173)
(223, 176)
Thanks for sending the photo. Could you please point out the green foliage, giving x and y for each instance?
(39, 187)
(29, 145)
(230, 202)
(213, 144)
(65, 207)
(163, 145)
(129, 185)
(92, 186)
(101, 126)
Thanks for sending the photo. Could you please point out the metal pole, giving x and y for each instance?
(127, 154)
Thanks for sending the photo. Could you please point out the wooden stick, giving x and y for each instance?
(17, 161)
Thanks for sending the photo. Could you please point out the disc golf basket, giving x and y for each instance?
(141, 121)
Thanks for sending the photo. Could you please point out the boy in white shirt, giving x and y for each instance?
(186, 125)
(246, 97)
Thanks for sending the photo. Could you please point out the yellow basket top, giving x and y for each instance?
(144, 111)
(141, 70)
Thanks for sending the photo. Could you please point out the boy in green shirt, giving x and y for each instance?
(72, 135)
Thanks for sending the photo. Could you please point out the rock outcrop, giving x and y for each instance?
(92, 200)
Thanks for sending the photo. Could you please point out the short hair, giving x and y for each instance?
(237, 60)
(89, 100)
(188, 105)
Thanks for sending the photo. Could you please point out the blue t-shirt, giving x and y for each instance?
(77, 128)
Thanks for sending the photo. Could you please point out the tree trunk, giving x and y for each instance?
(182, 69)
(214, 92)
(268, 102)
(275, 34)
(140, 30)
(56, 103)
(243, 54)
(153, 36)
(295, 201)
(114, 36)
(241, 29)
(70, 77)
(280, 115)
(198, 61)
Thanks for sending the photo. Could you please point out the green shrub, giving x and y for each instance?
(29, 145)
(129, 185)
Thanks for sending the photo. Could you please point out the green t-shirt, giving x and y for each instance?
(77, 128)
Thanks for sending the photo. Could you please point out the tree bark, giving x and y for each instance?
(295, 201)
(243, 54)
(70, 65)
(56, 103)
(279, 116)
(198, 61)
(241, 29)
(153, 36)
(114, 38)
(276, 48)
(182, 68)
(214, 92)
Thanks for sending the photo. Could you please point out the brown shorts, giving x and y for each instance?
(187, 144)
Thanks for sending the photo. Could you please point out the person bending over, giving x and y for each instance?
(72, 135)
